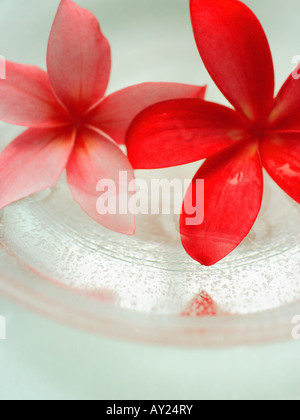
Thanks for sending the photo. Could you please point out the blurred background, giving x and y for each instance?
(42, 359)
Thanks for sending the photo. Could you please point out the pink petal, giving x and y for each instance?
(235, 50)
(33, 162)
(280, 154)
(285, 114)
(26, 98)
(201, 305)
(79, 59)
(181, 131)
(96, 158)
(117, 111)
(233, 185)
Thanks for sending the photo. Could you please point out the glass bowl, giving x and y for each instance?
(57, 261)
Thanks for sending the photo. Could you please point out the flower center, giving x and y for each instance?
(78, 121)
(257, 130)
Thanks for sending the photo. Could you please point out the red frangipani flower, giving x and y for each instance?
(71, 124)
(260, 132)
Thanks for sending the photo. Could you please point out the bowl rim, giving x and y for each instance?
(90, 313)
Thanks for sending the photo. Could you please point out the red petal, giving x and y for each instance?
(26, 98)
(201, 305)
(117, 111)
(233, 185)
(96, 158)
(181, 131)
(285, 114)
(235, 50)
(281, 157)
(33, 162)
(79, 59)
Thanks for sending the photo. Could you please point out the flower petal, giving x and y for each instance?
(181, 131)
(96, 158)
(26, 98)
(33, 162)
(235, 50)
(285, 114)
(115, 114)
(281, 158)
(233, 184)
(201, 305)
(79, 60)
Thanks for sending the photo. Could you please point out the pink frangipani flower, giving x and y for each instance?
(71, 124)
(260, 132)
